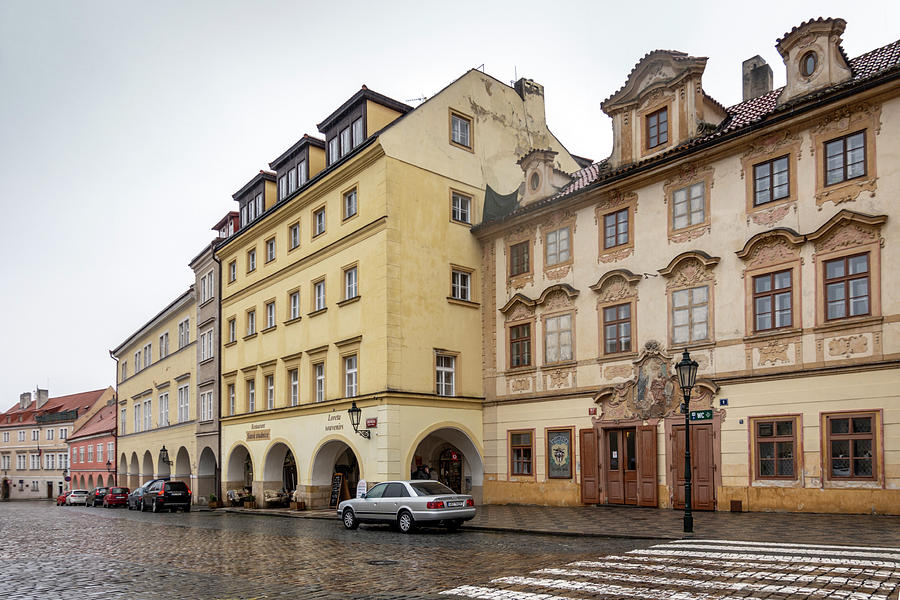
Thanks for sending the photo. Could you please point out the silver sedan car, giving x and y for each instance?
(77, 497)
(408, 503)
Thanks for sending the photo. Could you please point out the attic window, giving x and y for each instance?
(535, 181)
(808, 64)
(657, 128)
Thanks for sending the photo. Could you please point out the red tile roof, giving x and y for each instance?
(81, 401)
(103, 421)
(741, 115)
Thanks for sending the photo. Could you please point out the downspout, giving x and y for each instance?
(116, 414)
(218, 475)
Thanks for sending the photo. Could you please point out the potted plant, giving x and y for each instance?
(249, 501)
(213, 501)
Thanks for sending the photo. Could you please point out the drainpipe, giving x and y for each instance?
(218, 386)
(115, 414)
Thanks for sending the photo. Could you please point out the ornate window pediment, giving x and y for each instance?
(689, 268)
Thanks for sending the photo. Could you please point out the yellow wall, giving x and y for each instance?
(378, 116)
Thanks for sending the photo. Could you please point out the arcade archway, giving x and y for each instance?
(452, 458)
(333, 457)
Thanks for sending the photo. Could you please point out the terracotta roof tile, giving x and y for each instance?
(80, 401)
(103, 421)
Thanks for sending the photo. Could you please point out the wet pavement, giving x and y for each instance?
(56, 552)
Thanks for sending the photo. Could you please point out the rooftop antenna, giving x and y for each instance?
(422, 98)
(480, 67)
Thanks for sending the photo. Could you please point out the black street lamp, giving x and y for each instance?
(164, 456)
(109, 468)
(687, 377)
(355, 415)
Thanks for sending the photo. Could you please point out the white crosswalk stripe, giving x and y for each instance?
(710, 570)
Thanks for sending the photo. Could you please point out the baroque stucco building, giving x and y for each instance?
(756, 236)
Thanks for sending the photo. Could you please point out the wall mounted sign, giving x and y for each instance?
(334, 422)
(701, 415)
(373, 422)
(258, 434)
(559, 453)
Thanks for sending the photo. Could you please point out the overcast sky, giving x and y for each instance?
(126, 126)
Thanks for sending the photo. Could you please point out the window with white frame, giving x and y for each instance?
(123, 415)
(302, 172)
(460, 207)
(270, 392)
(345, 141)
(350, 203)
(295, 235)
(350, 376)
(206, 406)
(63, 459)
(319, 289)
(49, 434)
(20, 462)
(137, 361)
(21, 435)
(184, 333)
(148, 414)
(164, 345)
(147, 357)
(445, 374)
(163, 400)
(558, 246)
(231, 399)
(206, 345)
(49, 461)
(292, 181)
(232, 271)
(460, 285)
(351, 288)
(282, 187)
(319, 222)
(4, 462)
(294, 376)
(259, 204)
(333, 150)
(184, 403)
(35, 435)
(124, 370)
(558, 338)
(5, 437)
(251, 260)
(63, 433)
(100, 453)
(690, 315)
(36, 460)
(319, 373)
(270, 314)
(206, 287)
(232, 330)
(251, 322)
(251, 395)
(35, 485)
(81, 453)
(295, 305)
(110, 451)
(270, 250)
(358, 135)
(460, 130)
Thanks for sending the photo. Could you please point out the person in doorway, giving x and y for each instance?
(419, 473)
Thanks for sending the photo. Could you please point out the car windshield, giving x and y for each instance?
(430, 488)
(117, 490)
(176, 486)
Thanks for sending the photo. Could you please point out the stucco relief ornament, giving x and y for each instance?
(614, 256)
(773, 352)
(848, 346)
(557, 301)
(520, 312)
(690, 273)
(557, 274)
(521, 384)
(654, 388)
(846, 237)
(691, 234)
(770, 217)
(771, 252)
(559, 378)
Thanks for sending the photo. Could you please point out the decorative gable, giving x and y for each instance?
(814, 58)
(542, 178)
(661, 105)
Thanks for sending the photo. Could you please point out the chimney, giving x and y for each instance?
(532, 94)
(41, 397)
(24, 400)
(757, 77)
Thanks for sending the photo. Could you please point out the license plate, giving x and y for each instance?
(178, 493)
(456, 503)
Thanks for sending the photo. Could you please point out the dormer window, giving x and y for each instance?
(658, 128)
(358, 132)
(535, 181)
(345, 141)
(282, 187)
(302, 172)
(292, 181)
(808, 64)
(333, 151)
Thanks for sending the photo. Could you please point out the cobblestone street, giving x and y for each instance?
(51, 552)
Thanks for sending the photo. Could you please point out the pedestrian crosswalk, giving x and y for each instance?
(695, 569)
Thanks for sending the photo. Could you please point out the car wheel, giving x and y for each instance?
(349, 519)
(453, 525)
(405, 522)
(187, 508)
(143, 506)
(155, 506)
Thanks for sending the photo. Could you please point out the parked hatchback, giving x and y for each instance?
(96, 496)
(167, 495)
(116, 496)
(407, 504)
(135, 498)
(77, 497)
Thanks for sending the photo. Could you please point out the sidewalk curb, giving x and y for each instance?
(492, 528)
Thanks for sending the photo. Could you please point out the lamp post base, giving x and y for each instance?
(688, 524)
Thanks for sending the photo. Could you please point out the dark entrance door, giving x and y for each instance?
(450, 469)
(621, 471)
(703, 489)
(50, 489)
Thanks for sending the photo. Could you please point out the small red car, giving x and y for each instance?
(61, 499)
(116, 496)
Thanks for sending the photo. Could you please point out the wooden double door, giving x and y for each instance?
(622, 461)
(703, 467)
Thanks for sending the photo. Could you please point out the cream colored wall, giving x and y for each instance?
(378, 116)
(502, 132)
(316, 160)
(730, 229)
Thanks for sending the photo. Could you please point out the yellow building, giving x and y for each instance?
(158, 400)
(759, 237)
(354, 279)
